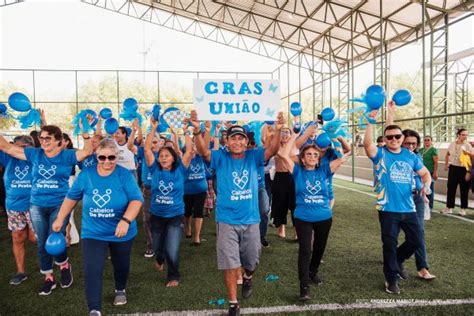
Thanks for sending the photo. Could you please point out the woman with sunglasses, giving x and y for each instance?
(313, 214)
(51, 169)
(411, 142)
(111, 199)
(167, 205)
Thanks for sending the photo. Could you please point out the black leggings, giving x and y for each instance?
(457, 175)
(283, 197)
(194, 204)
(308, 261)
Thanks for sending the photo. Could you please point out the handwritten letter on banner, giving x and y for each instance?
(233, 100)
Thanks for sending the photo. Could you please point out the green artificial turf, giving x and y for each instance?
(352, 270)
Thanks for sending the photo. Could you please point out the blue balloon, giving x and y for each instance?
(156, 112)
(162, 128)
(296, 109)
(401, 97)
(328, 114)
(130, 105)
(270, 122)
(3, 108)
(94, 116)
(55, 244)
(111, 125)
(105, 113)
(374, 97)
(323, 140)
(19, 102)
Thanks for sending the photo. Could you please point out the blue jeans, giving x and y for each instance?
(264, 208)
(420, 253)
(42, 219)
(94, 253)
(167, 234)
(390, 225)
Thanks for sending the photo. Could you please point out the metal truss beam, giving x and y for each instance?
(4, 3)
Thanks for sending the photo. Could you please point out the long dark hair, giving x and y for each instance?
(174, 165)
(69, 140)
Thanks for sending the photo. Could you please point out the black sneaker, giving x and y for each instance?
(304, 293)
(18, 279)
(403, 273)
(246, 287)
(392, 288)
(234, 309)
(264, 242)
(315, 278)
(48, 286)
(66, 276)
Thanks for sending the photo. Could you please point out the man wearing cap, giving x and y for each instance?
(237, 212)
(17, 178)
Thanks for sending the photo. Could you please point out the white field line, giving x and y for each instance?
(364, 304)
(370, 194)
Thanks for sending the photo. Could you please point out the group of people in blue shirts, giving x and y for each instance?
(173, 187)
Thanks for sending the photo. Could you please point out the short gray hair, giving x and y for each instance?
(108, 143)
(25, 139)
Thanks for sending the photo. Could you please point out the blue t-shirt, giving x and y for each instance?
(17, 179)
(312, 194)
(329, 156)
(89, 161)
(237, 186)
(195, 177)
(50, 176)
(145, 171)
(167, 190)
(394, 174)
(210, 173)
(104, 201)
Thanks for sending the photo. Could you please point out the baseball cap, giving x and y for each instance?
(236, 129)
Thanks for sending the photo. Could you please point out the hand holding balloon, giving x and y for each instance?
(55, 244)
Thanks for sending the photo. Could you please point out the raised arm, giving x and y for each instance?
(198, 140)
(186, 160)
(87, 150)
(346, 148)
(335, 164)
(175, 140)
(307, 133)
(42, 118)
(390, 113)
(98, 129)
(272, 150)
(369, 146)
(149, 155)
(285, 152)
(12, 150)
(130, 142)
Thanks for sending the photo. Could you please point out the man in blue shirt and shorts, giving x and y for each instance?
(237, 212)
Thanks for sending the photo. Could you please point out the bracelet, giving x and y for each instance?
(196, 133)
(126, 220)
(88, 137)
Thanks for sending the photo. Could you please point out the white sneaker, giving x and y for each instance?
(462, 212)
(447, 211)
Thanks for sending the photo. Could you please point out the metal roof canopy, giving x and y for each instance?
(296, 30)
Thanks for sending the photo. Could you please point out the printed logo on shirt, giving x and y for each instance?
(165, 189)
(47, 173)
(88, 162)
(313, 189)
(401, 172)
(101, 200)
(241, 181)
(195, 168)
(21, 174)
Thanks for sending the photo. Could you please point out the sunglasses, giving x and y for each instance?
(410, 144)
(390, 137)
(109, 158)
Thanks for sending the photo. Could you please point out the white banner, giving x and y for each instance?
(234, 100)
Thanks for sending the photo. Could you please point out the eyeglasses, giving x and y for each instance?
(410, 144)
(46, 139)
(390, 137)
(109, 158)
